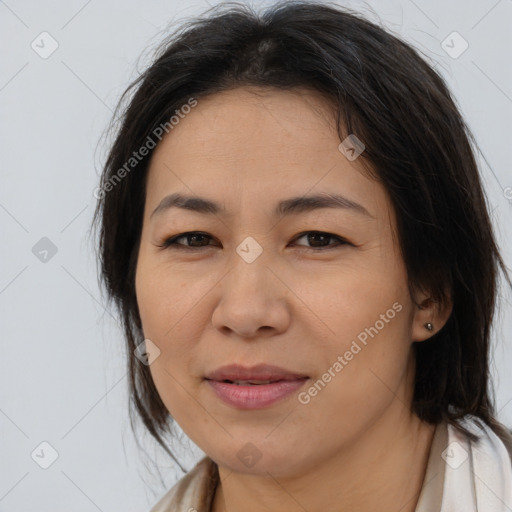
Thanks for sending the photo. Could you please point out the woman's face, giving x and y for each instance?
(332, 309)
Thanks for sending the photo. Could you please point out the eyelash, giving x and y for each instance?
(171, 243)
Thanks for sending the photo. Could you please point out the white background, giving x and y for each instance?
(62, 370)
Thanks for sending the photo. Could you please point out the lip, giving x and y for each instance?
(259, 372)
(254, 396)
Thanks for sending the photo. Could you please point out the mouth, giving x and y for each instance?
(251, 382)
(255, 375)
(256, 387)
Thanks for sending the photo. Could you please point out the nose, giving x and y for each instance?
(253, 301)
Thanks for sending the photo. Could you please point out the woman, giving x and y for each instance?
(295, 233)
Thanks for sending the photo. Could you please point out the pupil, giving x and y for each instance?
(194, 237)
(320, 235)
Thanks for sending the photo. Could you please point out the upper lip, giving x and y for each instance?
(235, 372)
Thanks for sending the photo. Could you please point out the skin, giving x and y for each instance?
(355, 445)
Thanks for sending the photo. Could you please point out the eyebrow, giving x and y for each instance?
(293, 205)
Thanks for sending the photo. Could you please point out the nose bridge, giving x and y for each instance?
(250, 295)
(248, 263)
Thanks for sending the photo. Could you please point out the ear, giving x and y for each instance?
(427, 311)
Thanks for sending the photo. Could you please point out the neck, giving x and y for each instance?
(383, 470)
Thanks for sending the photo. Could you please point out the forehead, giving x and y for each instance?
(244, 123)
(258, 143)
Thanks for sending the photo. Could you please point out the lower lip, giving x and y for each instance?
(255, 396)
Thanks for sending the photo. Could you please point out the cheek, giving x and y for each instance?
(361, 377)
(368, 350)
(354, 296)
(165, 296)
(169, 304)
(173, 309)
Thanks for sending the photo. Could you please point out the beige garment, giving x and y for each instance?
(195, 491)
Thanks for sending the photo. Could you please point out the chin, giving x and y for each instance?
(251, 460)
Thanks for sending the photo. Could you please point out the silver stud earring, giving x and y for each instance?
(429, 326)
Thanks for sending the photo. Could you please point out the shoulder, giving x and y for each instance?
(193, 492)
(500, 445)
(480, 468)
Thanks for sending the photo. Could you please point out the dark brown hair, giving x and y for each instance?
(417, 145)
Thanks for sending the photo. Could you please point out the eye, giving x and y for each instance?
(195, 239)
(319, 240)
